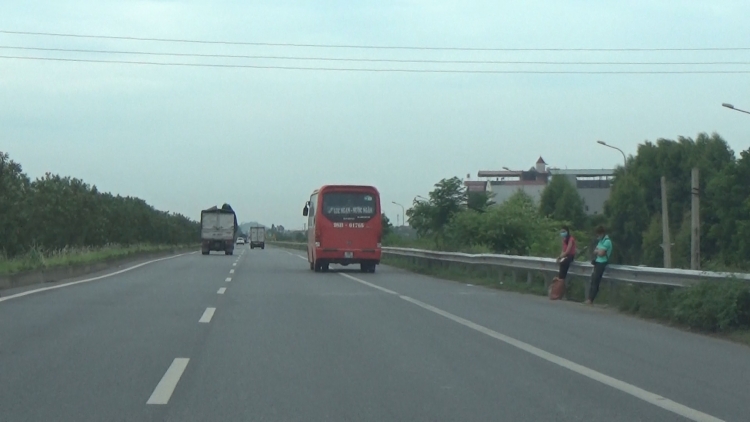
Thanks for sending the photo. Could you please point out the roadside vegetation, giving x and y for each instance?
(57, 220)
(38, 259)
(452, 219)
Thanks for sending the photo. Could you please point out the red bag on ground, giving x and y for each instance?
(556, 289)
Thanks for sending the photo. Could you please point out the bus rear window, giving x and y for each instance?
(348, 206)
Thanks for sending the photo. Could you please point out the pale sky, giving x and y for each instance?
(187, 138)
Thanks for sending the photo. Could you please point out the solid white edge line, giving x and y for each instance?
(207, 315)
(301, 257)
(382, 289)
(637, 392)
(73, 283)
(166, 386)
(228, 279)
(221, 290)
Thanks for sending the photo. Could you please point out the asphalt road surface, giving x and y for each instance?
(259, 337)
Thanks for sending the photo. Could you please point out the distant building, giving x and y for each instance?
(593, 185)
(476, 185)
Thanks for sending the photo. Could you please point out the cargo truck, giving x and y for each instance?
(219, 230)
(257, 237)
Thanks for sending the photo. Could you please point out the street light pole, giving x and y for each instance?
(729, 106)
(624, 158)
(403, 213)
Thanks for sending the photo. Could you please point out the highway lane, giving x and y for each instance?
(288, 344)
(293, 345)
(95, 351)
(705, 372)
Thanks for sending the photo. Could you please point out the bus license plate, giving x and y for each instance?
(348, 254)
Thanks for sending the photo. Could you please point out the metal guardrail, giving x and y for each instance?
(548, 267)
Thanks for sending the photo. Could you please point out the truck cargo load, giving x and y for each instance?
(219, 229)
(257, 237)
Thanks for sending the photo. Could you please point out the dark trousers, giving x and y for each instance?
(564, 267)
(596, 278)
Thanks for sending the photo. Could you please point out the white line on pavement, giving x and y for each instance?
(231, 271)
(228, 279)
(59, 286)
(382, 289)
(221, 290)
(637, 392)
(234, 264)
(302, 257)
(207, 315)
(166, 386)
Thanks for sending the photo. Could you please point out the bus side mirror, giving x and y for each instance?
(306, 210)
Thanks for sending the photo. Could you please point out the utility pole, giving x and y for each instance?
(695, 227)
(666, 242)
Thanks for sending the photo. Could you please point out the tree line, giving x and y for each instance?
(454, 219)
(55, 212)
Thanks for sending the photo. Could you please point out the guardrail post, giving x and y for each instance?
(529, 277)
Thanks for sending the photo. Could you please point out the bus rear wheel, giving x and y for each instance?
(367, 267)
(321, 266)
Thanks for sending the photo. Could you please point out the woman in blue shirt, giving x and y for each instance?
(602, 253)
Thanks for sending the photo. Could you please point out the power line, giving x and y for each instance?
(615, 72)
(336, 59)
(354, 46)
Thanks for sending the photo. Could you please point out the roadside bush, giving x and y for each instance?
(647, 301)
(514, 227)
(709, 306)
(54, 212)
(713, 306)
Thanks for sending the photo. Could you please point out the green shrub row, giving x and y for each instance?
(53, 213)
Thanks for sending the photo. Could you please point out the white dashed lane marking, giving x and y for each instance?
(166, 386)
(207, 315)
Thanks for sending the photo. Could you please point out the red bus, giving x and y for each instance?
(343, 227)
